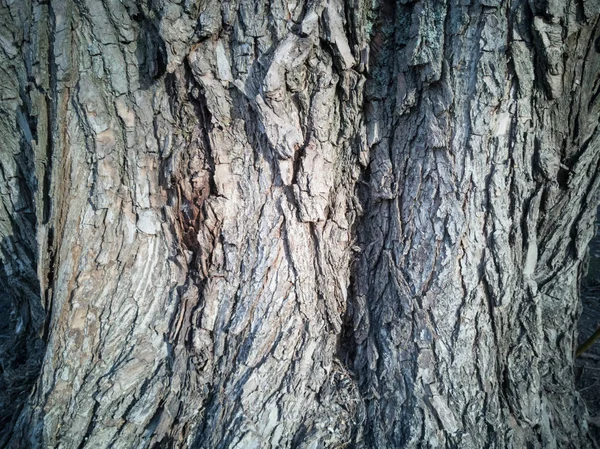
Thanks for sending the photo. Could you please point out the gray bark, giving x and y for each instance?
(252, 224)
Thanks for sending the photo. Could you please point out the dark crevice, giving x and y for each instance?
(90, 427)
(187, 175)
(21, 301)
(151, 51)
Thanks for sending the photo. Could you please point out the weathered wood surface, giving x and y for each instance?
(275, 224)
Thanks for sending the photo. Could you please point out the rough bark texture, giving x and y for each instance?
(587, 366)
(252, 224)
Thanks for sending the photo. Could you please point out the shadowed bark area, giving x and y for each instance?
(587, 366)
(480, 205)
(311, 225)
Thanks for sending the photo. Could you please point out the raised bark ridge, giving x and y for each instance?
(270, 224)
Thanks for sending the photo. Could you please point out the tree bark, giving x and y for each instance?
(322, 224)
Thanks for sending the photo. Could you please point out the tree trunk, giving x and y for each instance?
(252, 224)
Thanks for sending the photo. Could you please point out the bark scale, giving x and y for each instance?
(270, 224)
